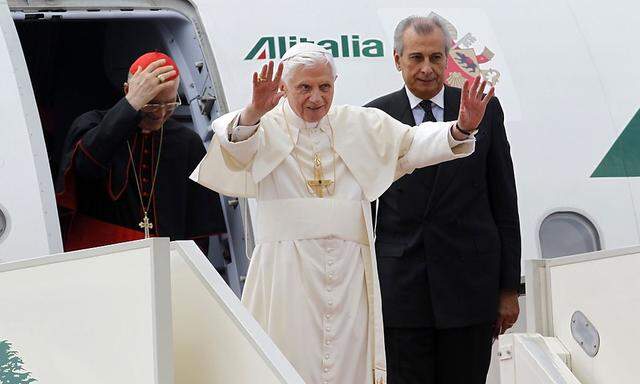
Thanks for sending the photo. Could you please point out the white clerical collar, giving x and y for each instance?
(297, 122)
(414, 100)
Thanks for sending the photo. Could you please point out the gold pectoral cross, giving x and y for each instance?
(318, 184)
(146, 224)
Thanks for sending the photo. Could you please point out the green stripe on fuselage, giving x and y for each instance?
(623, 159)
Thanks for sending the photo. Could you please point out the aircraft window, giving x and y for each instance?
(567, 233)
(3, 224)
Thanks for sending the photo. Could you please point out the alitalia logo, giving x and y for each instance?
(272, 47)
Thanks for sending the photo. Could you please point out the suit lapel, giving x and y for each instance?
(451, 104)
(400, 108)
(447, 170)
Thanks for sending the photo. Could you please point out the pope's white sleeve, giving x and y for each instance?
(239, 141)
(462, 147)
(432, 144)
(242, 132)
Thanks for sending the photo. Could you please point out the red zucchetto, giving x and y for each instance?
(148, 58)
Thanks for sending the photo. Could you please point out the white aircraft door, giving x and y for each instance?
(29, 225)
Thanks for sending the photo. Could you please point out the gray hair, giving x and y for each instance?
(423, 25)
(307, 59)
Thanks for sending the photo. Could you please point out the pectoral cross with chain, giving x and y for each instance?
(146, 224)
(318, 184)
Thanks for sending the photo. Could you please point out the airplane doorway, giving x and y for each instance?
(78, 61)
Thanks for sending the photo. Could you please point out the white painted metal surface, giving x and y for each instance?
(602, 285)
(96, 316)
(26, 190)
(133, 312)
(528, 359)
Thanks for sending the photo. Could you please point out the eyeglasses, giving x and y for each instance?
(168, 107)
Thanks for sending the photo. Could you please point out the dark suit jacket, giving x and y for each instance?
(443, 260)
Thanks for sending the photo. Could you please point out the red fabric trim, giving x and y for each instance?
(116, 196)
(87, 232)
(154, 195)
(86, 153)
(141, 162)
(67, 196)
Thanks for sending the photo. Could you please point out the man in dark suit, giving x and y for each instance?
(448, 236)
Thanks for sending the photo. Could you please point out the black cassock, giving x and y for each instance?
(97, 186)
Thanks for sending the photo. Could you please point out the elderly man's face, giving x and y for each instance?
(153, 118)
(310, 91)
(422, 62)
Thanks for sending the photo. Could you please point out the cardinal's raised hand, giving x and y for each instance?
(473, 103)
(145, 84)
(266, 94)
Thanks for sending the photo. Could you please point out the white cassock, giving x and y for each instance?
(312, 283)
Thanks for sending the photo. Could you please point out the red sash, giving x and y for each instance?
(87, 232)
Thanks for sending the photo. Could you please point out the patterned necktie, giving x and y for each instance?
(428, 174)
(428, 113)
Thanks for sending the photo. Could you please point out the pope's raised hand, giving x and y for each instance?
(266, 94)
(473, 103)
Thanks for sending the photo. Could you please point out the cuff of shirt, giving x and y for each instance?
(454, 143)
(242, 132)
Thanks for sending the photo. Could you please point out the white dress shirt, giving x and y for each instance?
(437, 106)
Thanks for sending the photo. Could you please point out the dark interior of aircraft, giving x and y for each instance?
(79, 65)
(67, 75)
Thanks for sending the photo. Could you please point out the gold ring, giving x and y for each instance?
(160, 79)
(261, 79)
